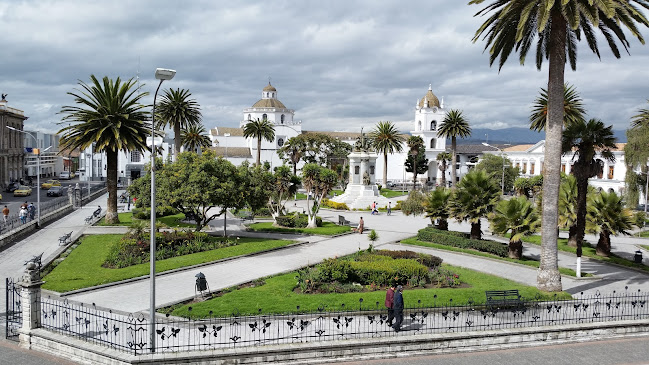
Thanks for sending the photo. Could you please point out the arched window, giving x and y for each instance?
(433, 125)
(272, 95)
(264, 117)
(432, 143)
(249, 117)
(280, 142)
(419, 125)
(282, 118)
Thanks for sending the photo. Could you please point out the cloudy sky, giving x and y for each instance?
(340, 64)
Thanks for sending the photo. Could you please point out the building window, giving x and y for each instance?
(432, 143)
(282, 118)
(249, 117)
(280, 142)
(532, 168)
(611, 169)
(419, 125)
(518, 165)
(524, 171)
(264, 117)
(357, 170)
(433, 125)
(563, 168)
(135, 156)
(371, 170)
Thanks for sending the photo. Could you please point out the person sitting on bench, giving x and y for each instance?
(359, 229)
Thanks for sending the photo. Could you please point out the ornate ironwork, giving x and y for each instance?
(14, 310)
(129, 333)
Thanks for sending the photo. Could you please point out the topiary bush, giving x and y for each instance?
(296, 221)
(452, 239)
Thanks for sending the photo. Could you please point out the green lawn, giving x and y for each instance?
(587, 251)
(393, 193)
(277, 296)
(327, 229)
(646, 247)
(82, 268)
(643, 234)
(524, 261)
(126, 219)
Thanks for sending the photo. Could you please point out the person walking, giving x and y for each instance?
(361, 225)
(389, 208)
(398, 308)
(389, 304)
(31, 209)
(23, 215)
(5, 213)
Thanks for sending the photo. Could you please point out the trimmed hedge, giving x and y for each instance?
(452, 239)
(334, 205)
(296, 221)
(429, 261)
(145, 213)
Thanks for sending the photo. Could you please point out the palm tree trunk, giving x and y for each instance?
(604, 244)
(385, 169)
(580, 224)
(453, 159)
(476, 232)
(572, 236)
(258, 150)
(414, 172)
(443, 170)
(549, 278)
(442, 224)
(515, 249)
(111, 183)
(176, 141)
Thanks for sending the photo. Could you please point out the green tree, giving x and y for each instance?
(518, 216)
(454, 125)
(108, 116)
(414, 204)
(293, 150)
(568, 208)
(573, 108)
(474, 198)
(443, 160)
(283, 186)
(177, 111)
(195, 138)
(607, 216)
(386, 139)
(557, 25)
(416, 163)
(261, 130)
(586, 140)
(437, 207)
(636, 155)
(493, 166)
(318, 181)
(318, 148)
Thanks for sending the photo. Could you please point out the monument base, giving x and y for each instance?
(359, 196)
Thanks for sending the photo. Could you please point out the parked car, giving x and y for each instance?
(49, 183)
(11, 187)
(56, 191)
(65, 175)
(0, 197)
(23, 190)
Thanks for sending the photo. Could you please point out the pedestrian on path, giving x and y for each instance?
(23, 215)
(389, 208)
(374, 210)
(389, 303)
(398, 308)
(360, 227)
(32, 211)
(5, 213)
(23, 205)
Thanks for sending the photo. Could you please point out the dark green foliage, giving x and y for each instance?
(493, 166)
(429, 261)
(161, 211)
(296, 221)
(454, 240)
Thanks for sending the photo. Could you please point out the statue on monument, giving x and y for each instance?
(362, 144)
(366, 178)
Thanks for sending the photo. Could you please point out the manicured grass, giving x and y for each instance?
(393, 193)
(126, 219)
(587, 251)
(643, 234)
(277, 296)
(524, 261)
(327, 229)
(646, 247)
(299, 196)
(82, 268)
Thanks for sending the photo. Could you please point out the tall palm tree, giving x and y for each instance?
(557, 25)
(195, 138)
(518, 216)
(178, 111)
(442, 163)
(474, 198)
(109, 115)
(454, 125)
(437, 207)
(607, 216)
(573, 108)
(260, 129)
(415, 147)
(386, 139)
(568, 208)
(585, 140)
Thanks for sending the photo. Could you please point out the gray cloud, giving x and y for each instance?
(340, 65)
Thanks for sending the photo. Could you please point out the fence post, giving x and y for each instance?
(30, 294)
(77, 196)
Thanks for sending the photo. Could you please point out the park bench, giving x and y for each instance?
(36, 259)
(97, 212)
(65, 238)
(342, 221)
(503, 299)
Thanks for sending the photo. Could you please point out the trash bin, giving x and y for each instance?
(201, 282)
(638, 257)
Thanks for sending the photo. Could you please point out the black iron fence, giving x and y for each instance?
(14, 312)
(132, 333)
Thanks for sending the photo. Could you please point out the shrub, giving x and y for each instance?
(382, 271)
(161, 211)
(373, 236)
(334, 205)
(264, 212)
(296, 221)
(454, 240)
(424, 259)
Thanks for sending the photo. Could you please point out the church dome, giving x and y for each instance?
(269, 103)
(433, 101)
(269, 87)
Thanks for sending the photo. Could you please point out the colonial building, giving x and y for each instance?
(11, 143)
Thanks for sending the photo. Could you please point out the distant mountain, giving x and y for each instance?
(514, 136)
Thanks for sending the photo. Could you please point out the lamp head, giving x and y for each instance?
(486, 144)
(164, 74)
(12, 128)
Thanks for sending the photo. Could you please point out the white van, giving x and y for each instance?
(65, 175)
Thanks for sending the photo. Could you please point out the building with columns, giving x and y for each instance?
(12, 150)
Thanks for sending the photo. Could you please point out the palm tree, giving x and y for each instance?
(386, 139)
(260, 129)
(568, 208)
(641, 119)
(474, 198)
(607, 216)
(195, 138)
(513, 26)
(109, 116)
(437, 207)
(518, 216)
(454, 125)
(178, 111)
(573, 108)
(584, 140)
(442, 163)
(415, 147)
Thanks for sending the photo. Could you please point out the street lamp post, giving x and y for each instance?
(161, 74)
(226, 135)
(502, 155)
